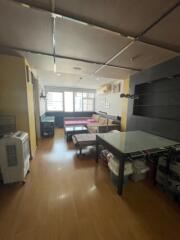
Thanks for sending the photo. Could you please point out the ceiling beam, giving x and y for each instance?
(4, 47)
(112, 30)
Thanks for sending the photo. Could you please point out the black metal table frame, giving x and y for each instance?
(121, 156)
(73, 132)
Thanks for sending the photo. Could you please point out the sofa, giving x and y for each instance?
(98, 123)
(71, 121)
(102, 124)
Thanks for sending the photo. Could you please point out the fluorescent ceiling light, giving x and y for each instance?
(55, 15)
(76, 21)
(106, 30)
(131, 38)
(55, 67)
(25, 5)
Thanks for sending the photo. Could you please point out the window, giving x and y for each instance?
(88, 102)
(55, 101)
(68, 101)
(78, 101)
(88, 105)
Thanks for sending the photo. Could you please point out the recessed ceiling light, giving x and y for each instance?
(135, 57)
(77, 68)
(25, 5)
(58, 74)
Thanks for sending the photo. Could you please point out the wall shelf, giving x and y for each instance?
(158, 99)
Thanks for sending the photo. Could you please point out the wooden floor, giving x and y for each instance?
(69, 198)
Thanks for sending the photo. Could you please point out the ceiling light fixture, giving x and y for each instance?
(55, 67)
(131, 38)
(25, 5)
(54, 15)
(58, 74)
(106, 30)
(135, 57)
(76, 21)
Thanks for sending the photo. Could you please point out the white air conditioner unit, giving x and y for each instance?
(14, 157)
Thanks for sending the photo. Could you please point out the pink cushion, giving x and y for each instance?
(91, 120)
(79, 122)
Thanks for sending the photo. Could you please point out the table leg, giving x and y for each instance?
(80, 151)
(155, 169)
(121, 176)
(97, 151)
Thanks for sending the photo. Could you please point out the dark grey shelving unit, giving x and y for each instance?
(158, 99)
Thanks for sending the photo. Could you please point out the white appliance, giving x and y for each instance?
(14, 157)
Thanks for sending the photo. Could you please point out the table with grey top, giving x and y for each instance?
(122, 144)
(75, 129)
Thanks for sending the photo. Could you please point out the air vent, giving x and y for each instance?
(11, 155)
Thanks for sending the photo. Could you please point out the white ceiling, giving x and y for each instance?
(39, 61)
(72, 80)
(75, 67)
(166, 32)
(130, 16)
(141, 56)
(31, 29)
(113, 72)
(86, 42)
(25, 28)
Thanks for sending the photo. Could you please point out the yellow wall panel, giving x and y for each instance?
(16, 95)
(13, 90)
(32, 128)
(124, 106)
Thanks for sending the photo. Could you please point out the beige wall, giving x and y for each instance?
(16, 98)
(124, 106)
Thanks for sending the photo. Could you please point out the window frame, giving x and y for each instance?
(72, 100)
(62, 101)
(75, 100)
(87, 98)
(74, 91)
